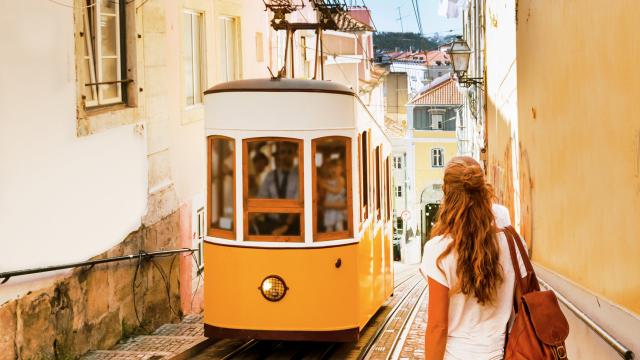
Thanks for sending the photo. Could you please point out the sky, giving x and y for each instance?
(385, 16)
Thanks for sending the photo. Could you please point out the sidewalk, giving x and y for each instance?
(169, 341)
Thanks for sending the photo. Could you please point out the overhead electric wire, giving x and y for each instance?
(416, 11)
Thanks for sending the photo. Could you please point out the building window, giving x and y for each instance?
(420, 119)
(437, 157)
(273, 191)
(103, 53)
(228, 50)
(399, 223)
(332, 188)
(399, 191)
(436, 121)
(397, 162)
(192, 57)
(306, 56)
(221, 187)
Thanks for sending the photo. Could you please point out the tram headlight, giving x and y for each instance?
(273, 288)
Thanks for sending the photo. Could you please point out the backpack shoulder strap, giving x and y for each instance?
(519, 286)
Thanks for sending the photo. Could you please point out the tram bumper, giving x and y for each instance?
(271, 293)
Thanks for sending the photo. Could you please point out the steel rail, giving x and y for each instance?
(328, 352)
(141, 255)
(404, 280)
(369, 345)
(622, 350)
(414, 308)
(240, 349)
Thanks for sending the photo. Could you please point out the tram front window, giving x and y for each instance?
(273, 170)
(221, 186)
(332, 190)
(273, 189)
(274, 224)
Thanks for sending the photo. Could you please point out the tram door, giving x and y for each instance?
(429, 219)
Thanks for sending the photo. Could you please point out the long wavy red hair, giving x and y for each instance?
(466, 216)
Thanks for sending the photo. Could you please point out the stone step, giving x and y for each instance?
(127, 355)
(182, 329)
(172, 344)
(193, 319)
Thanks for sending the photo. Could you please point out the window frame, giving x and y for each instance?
(397, 162)
(398, 191)
(317, 236)
(201, 56)
(377, 153)
(435, 123)
(440, 157)
(213, 232)
(95, 57)
(259, 205)
(364, 156)
(387, 192)
(236, 62)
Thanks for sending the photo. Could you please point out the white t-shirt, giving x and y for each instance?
(476, 332)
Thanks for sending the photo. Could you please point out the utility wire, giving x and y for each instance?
(416, 11)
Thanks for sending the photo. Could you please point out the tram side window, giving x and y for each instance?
(221, 204)
(332, 188)
(388, 188)
(364, 175)
(273, 189)
(378, 189)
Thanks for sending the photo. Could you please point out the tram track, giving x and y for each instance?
(265, 350)
(370, 349)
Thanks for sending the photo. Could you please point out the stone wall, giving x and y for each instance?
(96, 306)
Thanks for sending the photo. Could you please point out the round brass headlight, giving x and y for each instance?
(273, 288)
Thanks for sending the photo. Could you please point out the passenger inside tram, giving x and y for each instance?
(282, 181)
(331, 186)
(259, 162)
(335, 197)
(274, 176)
(222, 172)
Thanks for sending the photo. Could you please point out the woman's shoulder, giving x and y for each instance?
(501, 214)
(437, 244)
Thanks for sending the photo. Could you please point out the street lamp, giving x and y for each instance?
(459, 52)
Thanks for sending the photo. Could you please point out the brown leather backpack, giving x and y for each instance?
(540, 328)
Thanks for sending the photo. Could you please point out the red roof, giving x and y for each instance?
(442, 91)
(362, 14)
(435, 56)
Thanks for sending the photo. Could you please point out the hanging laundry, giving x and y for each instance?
(452, 8)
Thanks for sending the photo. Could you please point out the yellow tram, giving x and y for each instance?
(298, 242)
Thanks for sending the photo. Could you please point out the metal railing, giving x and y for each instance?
(622, 350)
(142, 255)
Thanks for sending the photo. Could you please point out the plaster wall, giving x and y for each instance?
(427, 175)
(502, 111)
(580, 165)
(62, 198)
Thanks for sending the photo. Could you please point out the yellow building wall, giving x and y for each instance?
(502, 111)
(434, 134)
(425, 174)
(580, 141)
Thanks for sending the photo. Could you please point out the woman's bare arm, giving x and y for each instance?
(437, 321)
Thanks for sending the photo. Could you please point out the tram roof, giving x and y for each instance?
(281, 85)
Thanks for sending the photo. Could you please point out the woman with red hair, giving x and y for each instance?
(468, 270)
